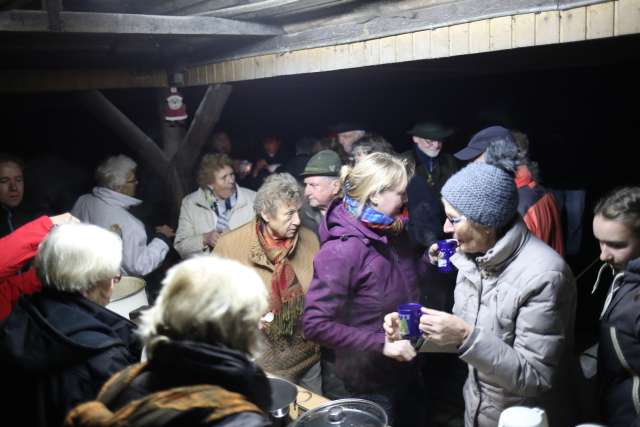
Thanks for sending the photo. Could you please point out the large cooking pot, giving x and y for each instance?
(344, 413)
(283, 394)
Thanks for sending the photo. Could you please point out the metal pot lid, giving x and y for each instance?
(344, 413)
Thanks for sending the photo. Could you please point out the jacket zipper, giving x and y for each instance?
(635, 395)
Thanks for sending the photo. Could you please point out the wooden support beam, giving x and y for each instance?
(204, 120)
(143, 146)
(119, 23)
(53, 8)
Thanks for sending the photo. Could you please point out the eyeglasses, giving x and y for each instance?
(455, 219)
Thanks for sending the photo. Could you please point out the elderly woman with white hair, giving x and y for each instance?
(198, 336)
(60, 345)
(108, 206)
(281, 252)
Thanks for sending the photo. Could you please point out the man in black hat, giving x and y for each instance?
(347, 133)
(431, 163)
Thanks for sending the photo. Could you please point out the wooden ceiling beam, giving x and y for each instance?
(118, 23)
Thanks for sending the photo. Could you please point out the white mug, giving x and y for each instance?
(521, 416)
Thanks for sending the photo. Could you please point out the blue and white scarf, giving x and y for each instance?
(222, 208)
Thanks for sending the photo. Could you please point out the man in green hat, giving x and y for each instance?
(321, 185)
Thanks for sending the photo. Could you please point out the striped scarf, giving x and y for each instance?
(222, 208)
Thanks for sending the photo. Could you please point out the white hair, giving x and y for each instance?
(112, 173)
(277, 190)
(207, 299)
(75, 257)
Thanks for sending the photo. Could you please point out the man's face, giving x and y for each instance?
(321, 190)
(618, 243)
(346, 139)
(430, 147)
(284, 224)
(11, 184)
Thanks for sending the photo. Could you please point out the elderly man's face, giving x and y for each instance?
(321, 190)
(130, 185)
(430, 147)
(11, 184)
(284, 224)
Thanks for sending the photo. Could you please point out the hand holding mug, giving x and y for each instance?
(443, 328)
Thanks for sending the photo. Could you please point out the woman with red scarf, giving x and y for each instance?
(281, 252)
(363, 269)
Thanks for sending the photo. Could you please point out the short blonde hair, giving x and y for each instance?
(207, 299)
(209, 165)
(277, 189)
(75, 257)
(375, 173)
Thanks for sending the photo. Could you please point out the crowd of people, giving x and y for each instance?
(296, 267)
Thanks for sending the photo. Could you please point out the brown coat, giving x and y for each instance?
(288, 358)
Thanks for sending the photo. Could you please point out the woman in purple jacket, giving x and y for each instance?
(364, 269)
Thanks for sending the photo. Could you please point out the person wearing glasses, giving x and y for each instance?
(108, 206)
(514, 302)
(58, 346)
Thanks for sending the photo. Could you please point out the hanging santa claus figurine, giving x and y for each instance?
(175, 110)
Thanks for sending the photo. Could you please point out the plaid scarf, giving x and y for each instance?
(209, 403)
(375, 219)
(222, 208)
(287, 296)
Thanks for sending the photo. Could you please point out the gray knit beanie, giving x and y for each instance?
(483, 193)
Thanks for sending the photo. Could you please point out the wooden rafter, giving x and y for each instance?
(118, 23)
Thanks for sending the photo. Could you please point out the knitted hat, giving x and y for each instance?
(483, 193)
(325, 162)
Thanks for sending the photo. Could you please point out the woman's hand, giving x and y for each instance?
(391, 326)
(433, 254)
(401, 350)
(444, 328)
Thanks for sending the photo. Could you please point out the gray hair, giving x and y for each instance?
(278, 189)
(112, 173)
(207, 299)
(75, 257)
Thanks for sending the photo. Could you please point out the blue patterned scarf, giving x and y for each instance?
(375, 219)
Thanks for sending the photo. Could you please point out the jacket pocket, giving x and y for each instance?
(635, 387)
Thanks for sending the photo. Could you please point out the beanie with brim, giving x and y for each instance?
(483, 193)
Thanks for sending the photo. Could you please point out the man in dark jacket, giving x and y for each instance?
(59, 346)
(13, 212)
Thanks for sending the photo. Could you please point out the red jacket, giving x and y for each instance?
(539, 210)
(16, 249)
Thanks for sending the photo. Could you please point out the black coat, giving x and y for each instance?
(619, 352)
(56, 351)
(186, 363)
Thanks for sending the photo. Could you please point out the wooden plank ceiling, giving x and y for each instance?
(171, 33)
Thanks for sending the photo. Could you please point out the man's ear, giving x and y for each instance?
(336, 187)
(265, 217)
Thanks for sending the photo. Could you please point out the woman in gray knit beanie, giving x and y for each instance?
(515, 300)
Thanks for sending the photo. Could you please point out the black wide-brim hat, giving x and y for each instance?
(430, 130)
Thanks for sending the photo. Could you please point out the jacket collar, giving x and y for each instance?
(114, 198)
(497, 258)
(201, 199)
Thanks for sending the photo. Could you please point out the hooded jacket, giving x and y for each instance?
(239, 394)
(619, 351)
(359, 276)
(56, 351)
(520, 297)
(109, 209)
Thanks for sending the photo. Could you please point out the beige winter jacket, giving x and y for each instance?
(521, 298)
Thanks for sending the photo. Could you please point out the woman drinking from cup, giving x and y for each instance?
(515, 302)
(361, 272)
